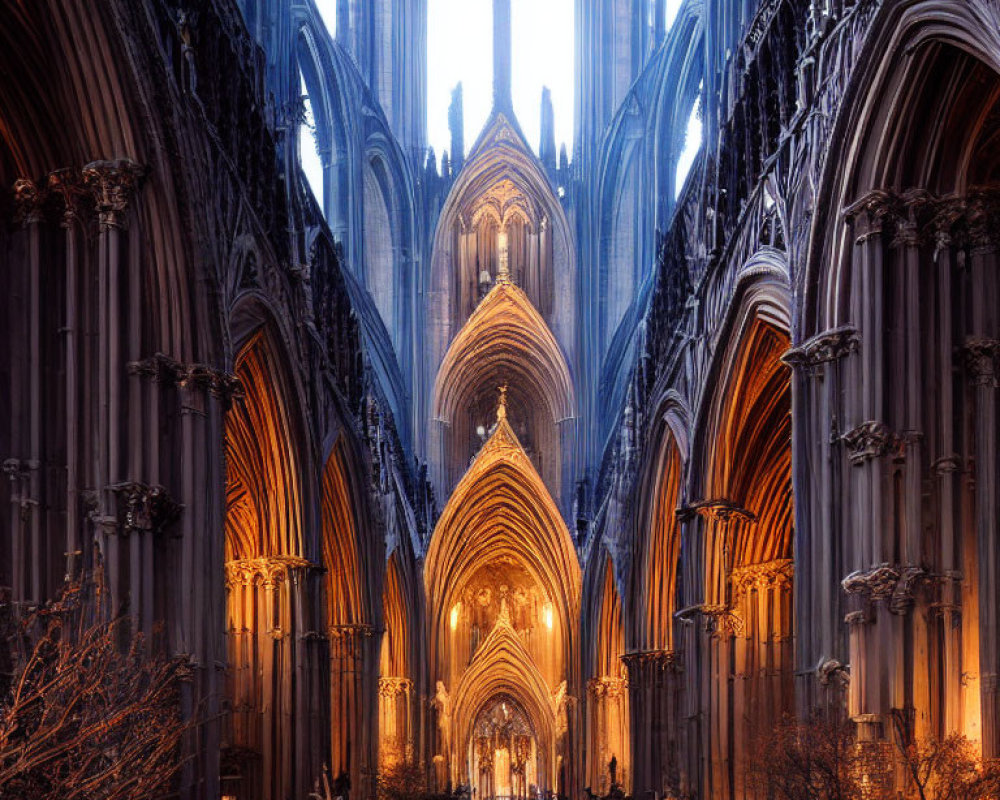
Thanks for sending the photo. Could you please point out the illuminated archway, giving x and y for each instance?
(396, 689)
(350, 584)
(505, 341)
(748, 514)
(657, 724)
(607, 688)
(503, 586)
(902, 280)
(264, 555)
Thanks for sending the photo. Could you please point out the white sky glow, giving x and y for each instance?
(460, 48)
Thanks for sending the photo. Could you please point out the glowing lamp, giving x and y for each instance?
(547, 615)
(454, 615)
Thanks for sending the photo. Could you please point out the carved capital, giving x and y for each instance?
(869, 440)
(832, 345)
(983, 219)
(267, 571)
(68, 184)
(144, 507)
(393, 687)
(719, 510)
(639, 662)
(870, 213)
(980, 358)
(29, 200)
(607, 686)
(834, 674)
(778, 573)
(112, 185)
(721, 621)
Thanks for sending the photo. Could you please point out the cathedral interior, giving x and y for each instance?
(539, 473)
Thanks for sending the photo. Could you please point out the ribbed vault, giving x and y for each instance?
(751, 452)
(505, 341)
(501, 509)
(263, 493)
(502, 666)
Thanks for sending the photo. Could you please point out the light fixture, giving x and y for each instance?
(547, 615)
(454, 615)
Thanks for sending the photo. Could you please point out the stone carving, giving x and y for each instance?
(867, 441)
(896, 584)
(720, 510)
(778, 573)
(390, 687)
(980, 358)
(112, 185)
(825, 347)
(144, 507)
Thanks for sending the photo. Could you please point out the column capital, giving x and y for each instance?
(980, 358)
(831, 345)
(68, 184)
(29, 200)
(144, 507)
(718, 509)
(112, 185)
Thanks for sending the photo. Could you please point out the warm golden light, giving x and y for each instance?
(454, 615)
(547, 615)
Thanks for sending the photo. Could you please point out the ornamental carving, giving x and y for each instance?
(638, 662)
(112, 185)
(895, 584)
(721, 621)
(823, 348)
(390, 687)
(869, 440)
(144, 507)
(720, 510)
(607, 686)
(68, 184)
(877, 583)
(832, 673)
(28, 200)
(268, 571)
(980, 358)
(778, 573)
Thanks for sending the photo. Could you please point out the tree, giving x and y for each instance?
(819, 759)
(89, 711)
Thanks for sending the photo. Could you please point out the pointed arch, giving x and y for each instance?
(264, 492)
(501, 508)
(505, 341)
(502, 666)
(340, 544)
(396, 685)
(607, 689)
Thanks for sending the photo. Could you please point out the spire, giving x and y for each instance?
(547, 145)
(456, 124)
(501, 55)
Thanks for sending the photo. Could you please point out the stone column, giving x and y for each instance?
(112, 185)
(817, 388)
(68, 184)
(982, 355)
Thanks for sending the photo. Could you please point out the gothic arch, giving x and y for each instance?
(505, 341)
(745, 510)
(501, 560)
(502, 666)
(397, 690)
(265, 553)
(607, 688)
(349, 553)
(264, 487)
(901, 288)
(501, 181)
